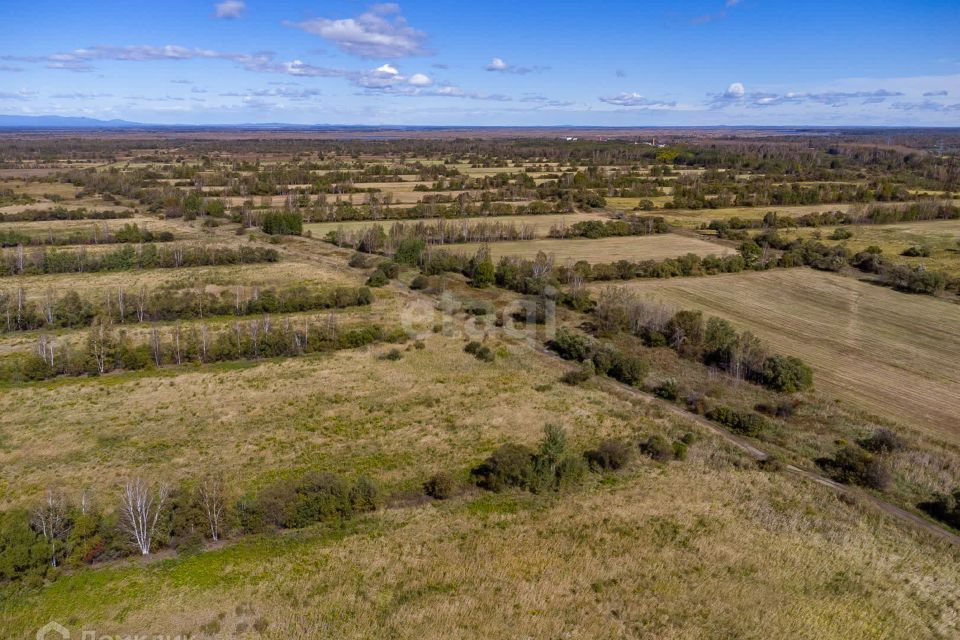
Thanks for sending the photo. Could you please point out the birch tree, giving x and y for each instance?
(213, 497)
(140, 510)
(50, 520)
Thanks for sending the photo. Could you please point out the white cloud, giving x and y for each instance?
(498, 65)
(737, 95)
(735, 90)
(388, 69)
(230, 9)
(637, 101)
(420, 80)
(372, 34)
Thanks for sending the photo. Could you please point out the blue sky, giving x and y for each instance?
(679, 62)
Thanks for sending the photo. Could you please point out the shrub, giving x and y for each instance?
(364, 496)
(571, 346)
(917, 252)
(390, 268)
(609, 455)
(393, 354)
(749, 424)
(658, 448)
(667, 390)
(24, 554)
(679, 450)
(853, 465)
(787, 374)
(569, 472)
(771, 463)
(480, 351)
(378, 279)
(359, 260)
(440, 486)
(579, 375)
(629, 369)
(841, 233)
(883, 441)
(409, 251)
(282, 223)
(509, 466)
(945, 508)
(420, 282)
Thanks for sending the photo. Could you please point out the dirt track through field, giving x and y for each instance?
(859, 496)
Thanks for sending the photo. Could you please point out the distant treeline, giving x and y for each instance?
(142, 256)
(374, 239)
(130, 233)
(626, 226)
(62, 213)
(109, 349)
(918, 211)
(122, 306)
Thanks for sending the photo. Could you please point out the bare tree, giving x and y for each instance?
(140, 510)
(213, 497)
(50, 520)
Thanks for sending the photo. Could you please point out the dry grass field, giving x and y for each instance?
(693, 218)
(690, 538)
(691, 550)
(942, 237)
(895, 354)
(636, 248)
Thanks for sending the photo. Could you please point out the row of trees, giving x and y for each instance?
(144, 517)
(875, 214)
(626, 226)
(121, 306)
(108, 349)
(713, 341)
(62, 213)
(19, 261)
(129, 233)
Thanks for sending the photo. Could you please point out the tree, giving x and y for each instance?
(787, 374)
(49, 519)
(140, 509)
(483, 270)
(213, 497)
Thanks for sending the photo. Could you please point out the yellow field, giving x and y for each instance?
(635, 248)
(693, 218)
(540, 223)
(895, 354)
(940, 236)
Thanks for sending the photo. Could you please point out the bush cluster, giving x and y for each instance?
(606, 359)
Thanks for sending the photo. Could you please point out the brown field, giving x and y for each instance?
(940, 236)
(540, 223)
(693, 218)
(636, 248)
(896, 354)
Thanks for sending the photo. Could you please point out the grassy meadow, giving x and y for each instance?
(634, 248)
(893, 353)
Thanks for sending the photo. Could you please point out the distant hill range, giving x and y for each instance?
(61, 122)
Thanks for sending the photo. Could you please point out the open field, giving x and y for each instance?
(693, 218)
(940, 236)
(895, 353)
(646, 516)
(540, 223)
(685, 551)
(656, 247)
